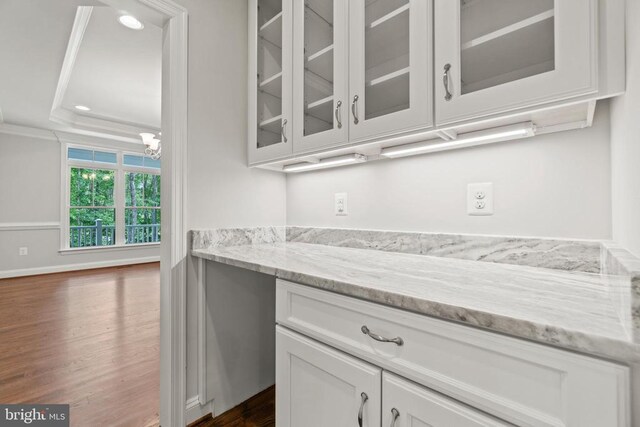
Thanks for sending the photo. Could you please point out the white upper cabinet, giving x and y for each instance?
(320, 74)
(390, 67)
(270, 79)
(494, 56)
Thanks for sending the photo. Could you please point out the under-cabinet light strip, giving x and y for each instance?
(326, 163)
(505, 133)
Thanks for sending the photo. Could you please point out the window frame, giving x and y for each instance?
(119, 169)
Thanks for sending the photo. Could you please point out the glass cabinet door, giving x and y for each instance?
(320, 73)
(390, 66)
(270, 100)
(496, 55)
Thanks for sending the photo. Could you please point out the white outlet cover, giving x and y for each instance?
(23, 251)
(480, 199)
(340, 204)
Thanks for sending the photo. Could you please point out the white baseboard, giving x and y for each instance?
(73, 267)
(195, 411)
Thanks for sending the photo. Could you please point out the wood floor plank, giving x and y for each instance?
(87, 338)
(257, 411)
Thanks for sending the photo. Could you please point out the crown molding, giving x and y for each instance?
(10, 129)
(88, 124)
(80, 23)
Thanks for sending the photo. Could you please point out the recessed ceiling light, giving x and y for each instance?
(131, 22)
(82, 108)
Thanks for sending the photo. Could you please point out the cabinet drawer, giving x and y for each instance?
(516, 380)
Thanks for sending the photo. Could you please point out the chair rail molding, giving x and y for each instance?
(24, 226)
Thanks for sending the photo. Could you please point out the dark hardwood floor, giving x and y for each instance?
(89, 338)
(258, 411)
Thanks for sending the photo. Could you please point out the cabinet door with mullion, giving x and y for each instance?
(494, 56)
(320, 74)
(390, 67)
(318, 386)
(270, 79)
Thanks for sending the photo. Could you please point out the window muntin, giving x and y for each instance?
(142, 207)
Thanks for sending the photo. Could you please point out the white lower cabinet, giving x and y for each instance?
(331, 348)
(317, 386)
(405, 404)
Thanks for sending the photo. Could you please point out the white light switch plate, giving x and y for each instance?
(340, 205)
(480, 199)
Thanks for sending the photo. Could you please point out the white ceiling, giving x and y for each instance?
(116, 70)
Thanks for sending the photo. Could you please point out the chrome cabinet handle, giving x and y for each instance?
(397, 340)
(354, 110)
(338, 106)
(283, 130)
(445, 82)
(364, 398)
(394, 416)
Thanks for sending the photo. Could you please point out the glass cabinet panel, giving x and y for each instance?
(269, 73)
(387, 57)
(318, 66)
(501, 42)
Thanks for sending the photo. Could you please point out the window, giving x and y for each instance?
(112, 198)
(142, 207)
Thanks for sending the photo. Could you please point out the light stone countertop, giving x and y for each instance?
(568, 309)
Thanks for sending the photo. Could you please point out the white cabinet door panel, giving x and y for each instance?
(493, 56)
(417, 406)
(318, 386)
(320, 74)
(390, 67)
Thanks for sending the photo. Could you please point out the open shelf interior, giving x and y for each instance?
(318, 63)
(269, 78)
(387, 57)
(505, 41)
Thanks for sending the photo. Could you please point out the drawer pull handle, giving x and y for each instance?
(397, 340)
(394, 416)
(364, 398)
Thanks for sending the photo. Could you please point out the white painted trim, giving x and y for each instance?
(90, 124)
(173, 274)
(27, 131)
(80, 23)
(203, 395)
(1, 116)
(75, 267)
(195, 411)
(23, 226)
(71, 251)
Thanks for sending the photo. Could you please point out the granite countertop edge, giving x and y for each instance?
(578, 341)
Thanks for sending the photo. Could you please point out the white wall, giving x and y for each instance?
(30, 194)
(554, 185)
(222, 191)
(625, 143)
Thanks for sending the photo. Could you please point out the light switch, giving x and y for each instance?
(480, 199)
(340, 206)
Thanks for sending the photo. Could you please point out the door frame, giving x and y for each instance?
(173, 19)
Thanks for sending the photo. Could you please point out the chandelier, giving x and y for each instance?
(153, 147)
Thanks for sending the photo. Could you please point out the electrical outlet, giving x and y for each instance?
(480, 199)
(23, 251)
(340, 206)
